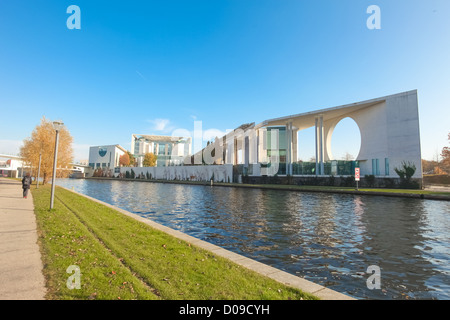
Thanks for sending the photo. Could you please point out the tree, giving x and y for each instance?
(132, 159)
(445, 154)
(42, 141)
(149, 160)
(348, 157)
(407, 171)
(124, 160)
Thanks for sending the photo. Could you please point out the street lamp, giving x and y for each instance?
(57, 125)
(39, 169)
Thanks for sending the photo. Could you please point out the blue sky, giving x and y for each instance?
(150, 67)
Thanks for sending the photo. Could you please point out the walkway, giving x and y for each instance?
(21, 275)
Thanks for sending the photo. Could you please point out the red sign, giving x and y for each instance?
(356, 174)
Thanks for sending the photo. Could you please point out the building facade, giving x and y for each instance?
(168, 150)
(12, 167)
(390, 135)
(105, 157)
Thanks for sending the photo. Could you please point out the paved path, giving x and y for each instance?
(437, 187)
(21, 275)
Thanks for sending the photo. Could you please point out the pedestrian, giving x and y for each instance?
(26, 184)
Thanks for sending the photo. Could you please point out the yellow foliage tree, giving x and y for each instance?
(149, 160)
(42, 142)
(446, 155)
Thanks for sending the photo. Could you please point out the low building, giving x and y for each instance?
(105, 157)
(12, 167)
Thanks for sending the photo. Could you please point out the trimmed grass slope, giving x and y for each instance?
(121, 258)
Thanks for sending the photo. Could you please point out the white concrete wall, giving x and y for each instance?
(222, 173)
(403, 143)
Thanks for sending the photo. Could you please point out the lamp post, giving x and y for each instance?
(57, 125)
(39, 169)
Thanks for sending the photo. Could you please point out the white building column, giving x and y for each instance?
(289, 148)
(316, 133)
(320, 168)
(321, 135)
(294, 156)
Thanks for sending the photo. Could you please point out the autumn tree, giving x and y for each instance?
(124, 160)
(445, 154)
(42, 142)
(132, 159)
(149, 160)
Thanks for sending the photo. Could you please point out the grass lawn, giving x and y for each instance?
(122, 258)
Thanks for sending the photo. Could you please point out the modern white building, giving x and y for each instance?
(389, 128)
(169, 150)
(105, 157)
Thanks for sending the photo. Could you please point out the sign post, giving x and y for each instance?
(356, 177)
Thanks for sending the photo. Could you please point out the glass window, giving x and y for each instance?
(376, 167)
(136, 147)
(162, 149)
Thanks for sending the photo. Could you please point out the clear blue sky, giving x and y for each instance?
(149, 67)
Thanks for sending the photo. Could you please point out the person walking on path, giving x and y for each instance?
(26, 184)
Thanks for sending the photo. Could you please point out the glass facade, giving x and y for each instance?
(278, 148)
(376, 167)
(162, 149)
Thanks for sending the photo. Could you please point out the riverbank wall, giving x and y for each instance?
(414, 194)
(239, 174)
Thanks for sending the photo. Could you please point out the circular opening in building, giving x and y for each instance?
(346, 140)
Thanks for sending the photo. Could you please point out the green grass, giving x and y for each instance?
(122, 258)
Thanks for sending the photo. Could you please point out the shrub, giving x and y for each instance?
(405, 173)
(370, 180)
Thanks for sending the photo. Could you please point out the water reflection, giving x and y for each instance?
(330, 239)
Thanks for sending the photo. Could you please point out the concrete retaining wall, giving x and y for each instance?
(217, 173)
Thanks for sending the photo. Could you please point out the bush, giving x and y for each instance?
(405, 173)
(331, 180)
(370, 180)
(348, 181)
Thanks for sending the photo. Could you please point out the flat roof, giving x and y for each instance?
(111, 145)
(307, 119)
(152, 137)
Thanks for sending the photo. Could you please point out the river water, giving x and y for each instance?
(329, 239)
